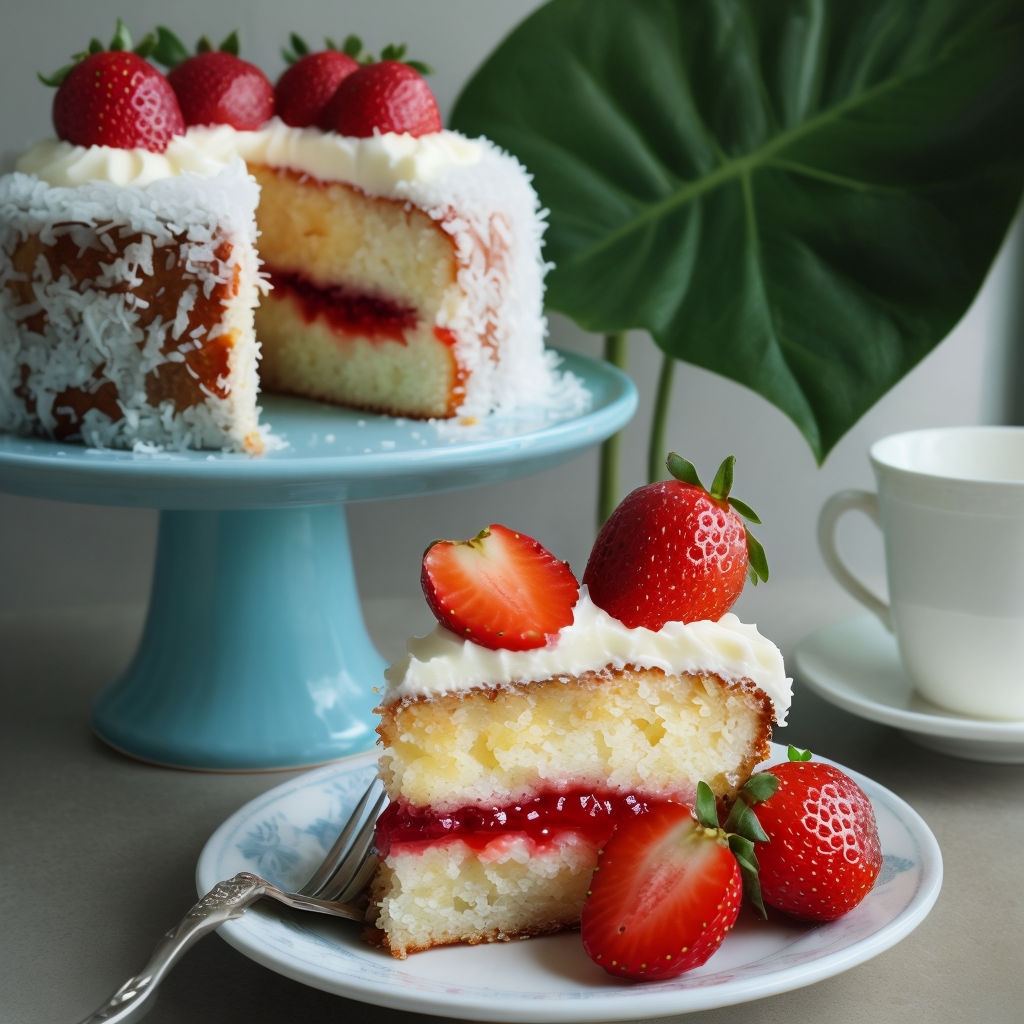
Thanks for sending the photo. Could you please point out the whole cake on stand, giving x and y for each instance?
(401, 275)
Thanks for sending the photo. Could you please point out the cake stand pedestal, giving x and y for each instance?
(255, 654)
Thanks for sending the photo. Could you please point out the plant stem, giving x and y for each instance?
(657, 449)
(611, 449)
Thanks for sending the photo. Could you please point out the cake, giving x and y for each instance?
(126, 313)
(395, 273)
(507, 772)
(508, 769)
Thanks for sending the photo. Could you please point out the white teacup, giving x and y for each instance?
(950, 505)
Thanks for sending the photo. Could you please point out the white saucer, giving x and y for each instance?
(855, 665)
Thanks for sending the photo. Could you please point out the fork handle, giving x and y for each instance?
(224, 902)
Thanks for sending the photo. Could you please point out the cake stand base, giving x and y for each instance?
(254, 654)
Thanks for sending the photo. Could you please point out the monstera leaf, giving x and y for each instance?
(801, 195)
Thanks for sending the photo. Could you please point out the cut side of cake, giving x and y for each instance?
(406, 274)
(507, 771)
(127, 313)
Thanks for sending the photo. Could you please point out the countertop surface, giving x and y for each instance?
(98, 852)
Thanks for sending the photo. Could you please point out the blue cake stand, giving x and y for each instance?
(255, 654)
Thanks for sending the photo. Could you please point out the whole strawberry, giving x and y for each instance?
(312, 77)
(667, 889)
(823, 853)
(215, 86)
(501, 589)
(389, 96)
(114, 97)
(305, 87)
(674, 551)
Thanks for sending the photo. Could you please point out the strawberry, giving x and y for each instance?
(666, 890)
(114, 97)
(312, 77)
(501, 589)
(305, 87)
(388, 96)
(823, 853)
(216, 86)
(673, 551)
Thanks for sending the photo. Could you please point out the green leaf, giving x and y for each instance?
(757, 560)
(759, 787)
(743, 851)
(796, 754)
(684, 470)
(706, 807)
(296, 50)
(231, 44)
(353, 46)
(122, 39)
(801, 195)
(169, 49)
(744, 510)
(722, 484)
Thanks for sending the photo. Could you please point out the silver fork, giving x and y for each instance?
(333, 888)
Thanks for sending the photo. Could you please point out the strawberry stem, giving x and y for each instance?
(684, 471)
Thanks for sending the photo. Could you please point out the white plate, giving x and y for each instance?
(285, 832)
(855, 664)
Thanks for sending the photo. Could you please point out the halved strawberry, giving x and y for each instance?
(666, 891)
(501, 589)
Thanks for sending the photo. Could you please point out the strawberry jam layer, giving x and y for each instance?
(591, 814)
(346, 310)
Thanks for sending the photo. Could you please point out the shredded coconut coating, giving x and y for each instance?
(170, 267)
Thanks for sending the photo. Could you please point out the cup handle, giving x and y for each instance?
(831, 512)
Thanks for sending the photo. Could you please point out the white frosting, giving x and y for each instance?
(64, 165)
(442, 662)
(380, 164)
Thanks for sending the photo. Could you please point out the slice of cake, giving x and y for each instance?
(512, 744)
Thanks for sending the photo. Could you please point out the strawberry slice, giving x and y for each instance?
(501, 589)
(666, 891)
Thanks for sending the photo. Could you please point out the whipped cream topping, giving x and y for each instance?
(380, 164)
(65, 166)
(442, 662)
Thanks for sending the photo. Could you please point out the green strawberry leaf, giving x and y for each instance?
(705, 806)
(757, 560)
(684, 470)
(803, 197)
(743, 851)
(759, 787)
(169, 50)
